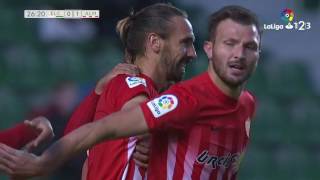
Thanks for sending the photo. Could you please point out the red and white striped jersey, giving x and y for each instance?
(111, 160)
(198, 131)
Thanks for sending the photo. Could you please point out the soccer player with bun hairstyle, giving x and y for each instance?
(156, 18)
(201, 126)
(159, 40)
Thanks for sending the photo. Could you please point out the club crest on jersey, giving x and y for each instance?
(135, 81)
(162, 105)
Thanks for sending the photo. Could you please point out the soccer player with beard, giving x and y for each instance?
(159, 40)
(201, 126)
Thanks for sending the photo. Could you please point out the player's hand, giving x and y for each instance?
(4, 163)
(20, 164)
(121, 68)
(42, 125)
(141, 152)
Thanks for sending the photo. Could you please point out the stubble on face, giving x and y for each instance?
(232, 67)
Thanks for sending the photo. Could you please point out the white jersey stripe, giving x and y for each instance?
(131, 146)
(171, 157)
(137, 175)
(220, 173)
(192, 151)
(228, 141)
(206, 171)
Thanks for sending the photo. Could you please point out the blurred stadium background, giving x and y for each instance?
(48, 66)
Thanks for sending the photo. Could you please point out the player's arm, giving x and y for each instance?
(113, 126)
(178, 115)
(29, 134)
(17, 136)
(130, 104)
(141, 152)
(84, 113)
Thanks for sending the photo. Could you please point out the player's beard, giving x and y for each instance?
(221, 69)
(174, 68)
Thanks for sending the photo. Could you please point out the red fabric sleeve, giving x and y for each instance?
(117, 93)
(175, 109)
(18, 136)
(123, 92)
(252, 104)
(84, 113)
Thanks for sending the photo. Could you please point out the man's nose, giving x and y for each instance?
(238, 52)
(192, 52)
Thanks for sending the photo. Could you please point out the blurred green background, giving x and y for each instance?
(48, 65)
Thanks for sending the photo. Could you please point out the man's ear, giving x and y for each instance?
(208, 47)
(154, 42)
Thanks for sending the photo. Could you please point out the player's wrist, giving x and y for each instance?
(47, 163)
(43, 167)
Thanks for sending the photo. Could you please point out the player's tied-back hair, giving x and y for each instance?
(133, 30)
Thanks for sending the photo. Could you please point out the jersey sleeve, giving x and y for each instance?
(175, 109)
(18, 136)
(84, 113)
(252, 104)
(124, 87)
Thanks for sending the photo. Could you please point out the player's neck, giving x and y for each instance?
(148, 66)
(226, 89)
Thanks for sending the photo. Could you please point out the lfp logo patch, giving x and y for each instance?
(287, 15)
(166, 102)
(162, 105)
(135, 81)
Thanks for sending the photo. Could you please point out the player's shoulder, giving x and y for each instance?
(248, 99)
(194, 86)
(197, 80)
(248, 96)
(129, 81)
(188, 90)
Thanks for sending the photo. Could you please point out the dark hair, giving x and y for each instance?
(155, 18)
(236, 13)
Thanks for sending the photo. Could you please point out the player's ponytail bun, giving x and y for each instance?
(134, 29)
(123, 28)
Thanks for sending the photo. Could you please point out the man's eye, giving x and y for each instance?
(251, 47)
(229, 43)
